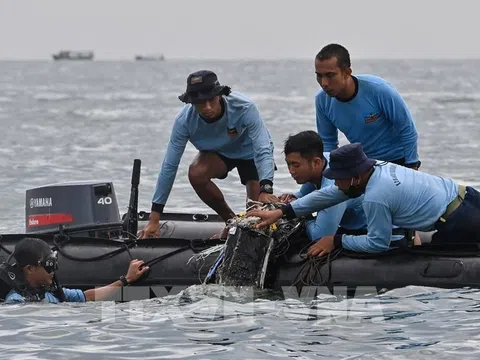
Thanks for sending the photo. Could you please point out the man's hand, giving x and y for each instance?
(152, 230)
(135, 270)
(268, 216)
(322, 247)
(287, 198)
(267, 198)
(153, 227)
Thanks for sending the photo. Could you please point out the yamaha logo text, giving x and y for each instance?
(40, 202)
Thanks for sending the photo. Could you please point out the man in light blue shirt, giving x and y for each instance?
(227, 129)
(393, 195)
(32, 278)
(306, 162)
(366, 108)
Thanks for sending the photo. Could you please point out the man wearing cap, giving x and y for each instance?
(366, 108)
(394, 195)
(227, 129)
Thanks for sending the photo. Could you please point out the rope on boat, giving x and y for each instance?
(203, 255)
(312, 269)
(125, 246)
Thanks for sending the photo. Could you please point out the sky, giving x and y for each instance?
(244, 29)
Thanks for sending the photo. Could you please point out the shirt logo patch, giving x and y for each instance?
(372, 117)
(232, 132)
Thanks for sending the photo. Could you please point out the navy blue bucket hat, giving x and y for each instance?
(348, 161)
(201, 86)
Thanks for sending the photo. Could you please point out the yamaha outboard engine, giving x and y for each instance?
(83, 208)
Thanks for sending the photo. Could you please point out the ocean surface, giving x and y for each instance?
(66, 121)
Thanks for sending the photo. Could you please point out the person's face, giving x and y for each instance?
(41, 275)
(331, 77)
(301, 169)
(209, 109)
(352, 187)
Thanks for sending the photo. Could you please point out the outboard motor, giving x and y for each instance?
(81, 207)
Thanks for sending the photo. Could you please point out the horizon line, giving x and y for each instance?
(178, 58)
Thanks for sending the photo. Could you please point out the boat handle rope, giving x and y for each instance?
(126, 247)
(58, 247)
(153, 261)
(313, 266)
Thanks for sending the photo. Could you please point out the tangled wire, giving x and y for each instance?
(250, 222)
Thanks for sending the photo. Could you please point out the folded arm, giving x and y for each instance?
(379, 236)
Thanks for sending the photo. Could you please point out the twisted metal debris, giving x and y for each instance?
(250, 222)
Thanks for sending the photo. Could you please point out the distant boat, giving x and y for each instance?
(73, 55)
(150, 57)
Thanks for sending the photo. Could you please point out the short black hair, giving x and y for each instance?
(338, 51)
(308, 143)
(29, 251)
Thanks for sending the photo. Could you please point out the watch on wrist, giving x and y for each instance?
(266, 188)
(124, 281)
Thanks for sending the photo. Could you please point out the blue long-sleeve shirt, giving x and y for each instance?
(377, 117)
(239, 134)
(348, 214)
(395, 195)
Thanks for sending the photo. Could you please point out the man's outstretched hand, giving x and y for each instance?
(267, 198)
(268, 216)
(287, 198)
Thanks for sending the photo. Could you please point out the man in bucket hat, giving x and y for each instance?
(393, 195)
(227, 129)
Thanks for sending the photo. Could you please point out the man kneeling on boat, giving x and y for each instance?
(227, 129)
(32, 277)
(393, 195)
(306, 162)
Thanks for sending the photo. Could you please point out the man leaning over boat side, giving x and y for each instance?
(228, 131)
(393, 195)
(32, 277)
(306, 161)
(366, 108)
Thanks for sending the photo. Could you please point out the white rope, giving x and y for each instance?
(206, 253)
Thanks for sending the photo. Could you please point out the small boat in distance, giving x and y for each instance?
(73, 55)
(150, 57)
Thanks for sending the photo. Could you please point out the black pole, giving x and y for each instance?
(130, 223)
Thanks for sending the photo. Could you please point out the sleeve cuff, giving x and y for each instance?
(158, 208)
(288, 211)
(337, 242)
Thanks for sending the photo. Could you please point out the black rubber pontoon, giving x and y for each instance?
(87, 262)
(81, 221)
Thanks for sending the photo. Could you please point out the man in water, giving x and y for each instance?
(393, 195)
(31, 278)
(306, 162)
(227, 129)
(366, 108)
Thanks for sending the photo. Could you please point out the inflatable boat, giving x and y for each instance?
(81, 221)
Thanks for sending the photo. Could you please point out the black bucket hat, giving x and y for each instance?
(348, 161)
(203, 85)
